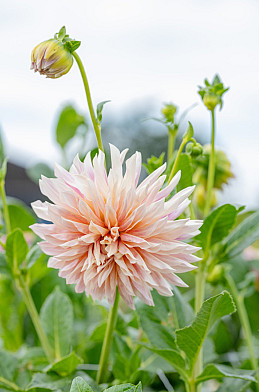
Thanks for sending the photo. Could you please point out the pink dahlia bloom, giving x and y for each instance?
(108, 231)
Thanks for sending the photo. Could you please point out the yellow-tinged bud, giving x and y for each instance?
(51, 58)
(211, 101)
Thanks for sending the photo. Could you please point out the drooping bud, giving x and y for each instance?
(212, 93)
(53, 57)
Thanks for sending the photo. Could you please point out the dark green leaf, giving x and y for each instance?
(69, 121)
(99, 110)
(65, 365)
(16, 248)
(214, 371)
(241, 237)
(49, 381)
(190, 339)
(57, 321)
(80, 385)
(217, 225)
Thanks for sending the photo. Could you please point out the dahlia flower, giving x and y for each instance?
(108, 231)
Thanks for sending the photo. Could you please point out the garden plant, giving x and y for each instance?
(117, 281)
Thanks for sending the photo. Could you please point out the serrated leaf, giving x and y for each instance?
(65, 365)
(80, 385)
(69, 121)
(190, 339)
(215, 371)
(99, 110)
(16, 248)
(241, 237)
(57, 321)
(217, 225)
(185, 165)
(21, 217)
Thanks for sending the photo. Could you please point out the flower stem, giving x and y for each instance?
(5, 207)
(211, 171)
(239, 300)
(97, 127)
(21, 284)
(174, 168)
(111, 322)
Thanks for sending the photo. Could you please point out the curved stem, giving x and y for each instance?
(211, 171)
(5, 207)
(174, 168)
(97, 127)
(171, 140)
(35, 317)
(239, 300)
(111, 322)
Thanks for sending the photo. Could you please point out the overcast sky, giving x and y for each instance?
(135, 50)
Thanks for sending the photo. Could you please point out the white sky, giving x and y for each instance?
(134, 50)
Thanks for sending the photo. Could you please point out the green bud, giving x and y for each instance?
(212, 93)
(210, 101)
(194, 149)
(216, 275)
(168, 111)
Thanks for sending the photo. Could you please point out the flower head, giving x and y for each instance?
(50, 58)
(108, 231)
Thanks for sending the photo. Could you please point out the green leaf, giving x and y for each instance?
(241, 237)
(150, 320)
(57, 321)
(8, 365)
(138, 387)
(16, 248)
(189, 132)
(172, 356)
(185, 165)
(121, 388)
(72, 45)
(34, 255)
(80, 385)
(3, 168)
(190, 339)
(217, 225)
(154, 163)
(20, 215)
(36, 171)
(99, 110)
(214, 371)
(65, 365)
(68, 123)
(4, 267)
(61, 33)
(183, 309)
(49, 381)
(234, 386)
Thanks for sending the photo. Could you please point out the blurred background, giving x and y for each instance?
(139, 55)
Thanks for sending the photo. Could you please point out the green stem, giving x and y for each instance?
(211, 170)
(5, 207)
(174, 168)
(35, 317)
(9, 384)
(111, 322)
(97, 127)
(239, 300)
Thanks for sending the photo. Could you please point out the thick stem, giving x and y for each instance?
(97, 127)
(174, 168)
(5, 207)
(111, 322)
(35, 317)
(239, 300)
(211, 170)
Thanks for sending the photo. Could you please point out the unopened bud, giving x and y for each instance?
(216, 275)
(194, 149)
(51, 58)
(211, 101)
(169, 111)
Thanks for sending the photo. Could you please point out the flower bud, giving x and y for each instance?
(216, 275)
(211, 101)
(51, 58)
(169, 111)
(194, 149)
